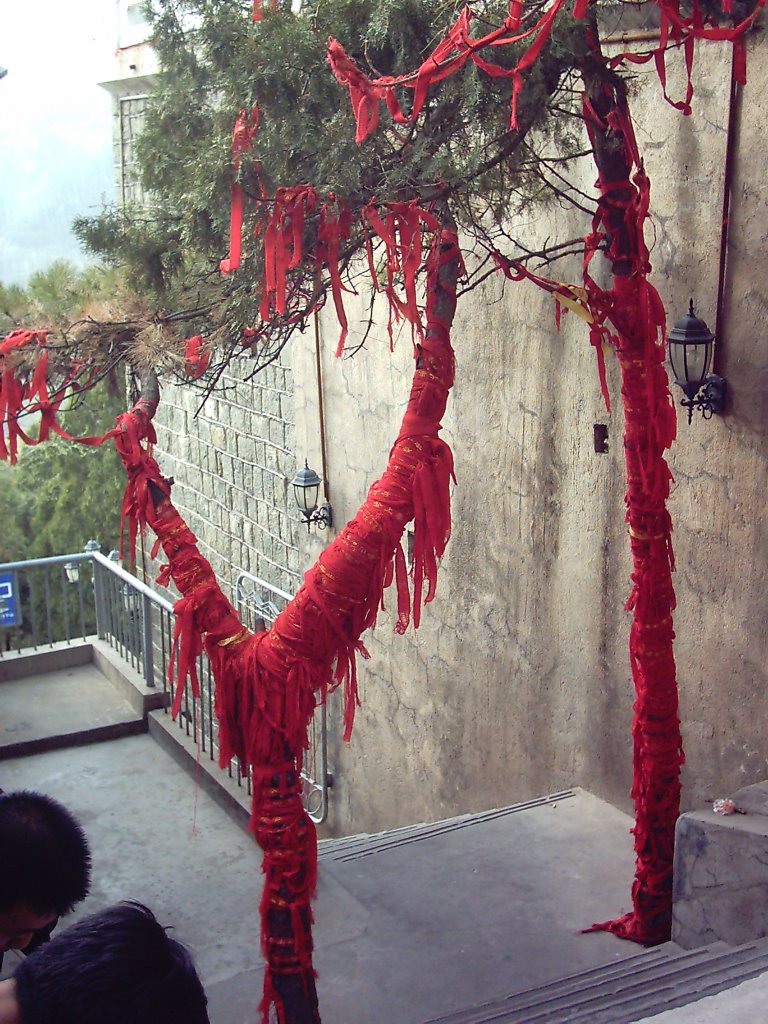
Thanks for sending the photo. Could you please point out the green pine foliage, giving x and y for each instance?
(216, 61)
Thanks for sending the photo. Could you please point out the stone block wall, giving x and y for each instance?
(232, 462)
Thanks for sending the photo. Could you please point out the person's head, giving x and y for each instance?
(119, 965)
(45, 865)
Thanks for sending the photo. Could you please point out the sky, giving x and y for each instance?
(55, 127)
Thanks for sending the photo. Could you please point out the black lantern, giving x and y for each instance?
(690, 354)
(306, 486)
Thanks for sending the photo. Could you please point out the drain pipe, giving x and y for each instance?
(731, 139)
(321, 411)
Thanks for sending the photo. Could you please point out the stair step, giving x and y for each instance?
(655, 980)
(364, 844)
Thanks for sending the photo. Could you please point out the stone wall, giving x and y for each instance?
(232, 462)
(518, 682)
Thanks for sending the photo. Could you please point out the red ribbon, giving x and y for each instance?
(242, 139)
(448, 57)
(196, 358)
(32, 398)
(458, 47)
(258, 9)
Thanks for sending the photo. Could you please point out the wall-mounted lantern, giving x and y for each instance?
(306, 487)
(72, 569)
(690, 355)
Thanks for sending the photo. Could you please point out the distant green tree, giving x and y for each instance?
(14, 514)
(14, 304)
(60, 494)
(72, 492)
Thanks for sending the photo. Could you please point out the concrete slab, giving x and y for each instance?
(70, 705)
(404, 933)
(745, 1004)
(472, 914)
(157, 837)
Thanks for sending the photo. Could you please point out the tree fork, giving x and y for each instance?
(267, 684)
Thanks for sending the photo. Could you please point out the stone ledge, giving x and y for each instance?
(126, 680)
(34, 661)
(721, 873)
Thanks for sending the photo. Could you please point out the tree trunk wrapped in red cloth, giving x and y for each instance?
(635, 310)
(268, 684)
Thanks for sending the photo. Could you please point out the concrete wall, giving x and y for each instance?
(518, 681)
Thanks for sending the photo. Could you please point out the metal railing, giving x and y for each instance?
(66, 598)
(45, 601)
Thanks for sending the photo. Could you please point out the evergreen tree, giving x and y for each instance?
(457, 162)
(60, 495)
(459, 153)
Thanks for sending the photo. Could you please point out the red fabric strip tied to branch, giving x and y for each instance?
(258, 9)
(400, 229)
(196, 357)
(449, 56)
(333, 229)
(21, 398)
(453, 52)
(242, 138)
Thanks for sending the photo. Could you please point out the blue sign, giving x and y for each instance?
(9, 605)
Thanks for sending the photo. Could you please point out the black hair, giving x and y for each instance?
(120, 966)
(45, 863)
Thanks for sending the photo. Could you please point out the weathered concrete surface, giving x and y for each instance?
(721, 873)
(519, 678)
(157, 838)
(444, 921)
(434, 921)
(61, 708)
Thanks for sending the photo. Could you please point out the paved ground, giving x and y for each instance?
(49, 708)
(410, 926)
(405, 933)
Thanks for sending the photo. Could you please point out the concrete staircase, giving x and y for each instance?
(641, 986)
(69, 695)
(477, 917)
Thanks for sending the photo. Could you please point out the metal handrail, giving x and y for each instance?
(137, 622)
(133, 581)
(51, 620)
(31, 563)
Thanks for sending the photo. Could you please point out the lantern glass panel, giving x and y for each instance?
(690, 363)
(306, 497)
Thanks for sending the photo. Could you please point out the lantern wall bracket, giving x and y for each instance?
(321, 517)
(709, 399)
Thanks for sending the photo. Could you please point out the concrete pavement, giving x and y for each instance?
(411, 926)
(402, 934)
